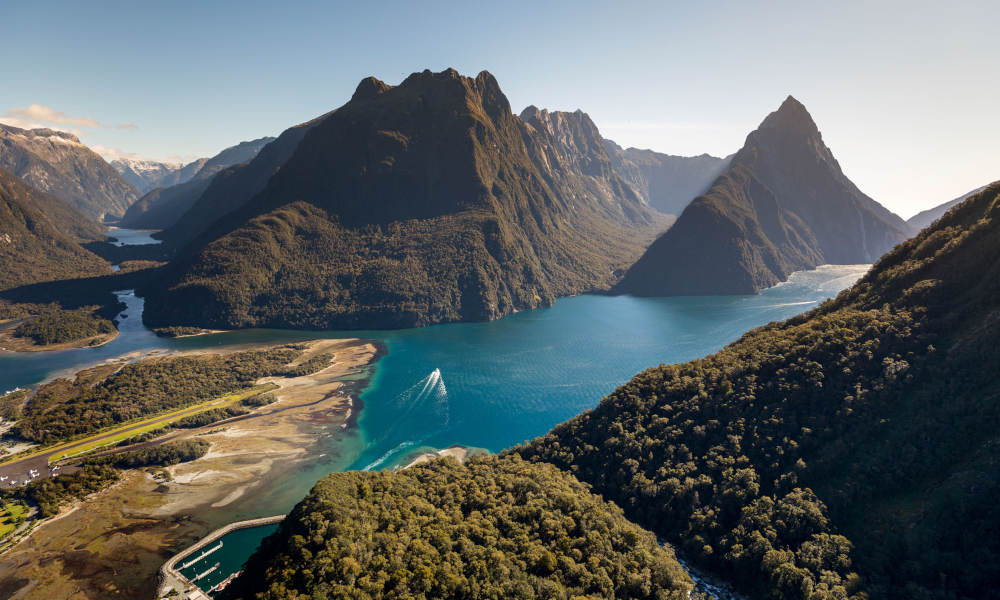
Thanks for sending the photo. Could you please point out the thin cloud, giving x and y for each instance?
(38, 115)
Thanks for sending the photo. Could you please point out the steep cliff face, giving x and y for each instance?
(57, 163)
(234, 186)
(162, 207)
(782, 205)
(422, 203)
(40, 237)
(667, 183)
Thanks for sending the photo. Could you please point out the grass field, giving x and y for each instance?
(11, 515)
(113, 436)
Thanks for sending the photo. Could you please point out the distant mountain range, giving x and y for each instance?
(40, 237)
(146, 175)
(667, 183)
(235, 186)
(179, 189)
(925, 218)
(783, 204)
(421, 203)
(143, 174)
(59, 164)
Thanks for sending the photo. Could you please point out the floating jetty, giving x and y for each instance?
(201, 556)
(170, 578)
(206, 572)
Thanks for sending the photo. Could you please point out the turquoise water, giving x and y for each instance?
(507, 381)
(488, 385)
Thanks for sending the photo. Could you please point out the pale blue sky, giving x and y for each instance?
(905, 93)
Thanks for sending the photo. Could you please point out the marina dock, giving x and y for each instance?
(170, 577)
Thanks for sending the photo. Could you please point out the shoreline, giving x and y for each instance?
(459, 453)
(250, 469)
(23, 345)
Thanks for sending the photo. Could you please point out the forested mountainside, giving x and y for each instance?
(57, 163)
(421, 203)
(496, 528)
(849, 450)
(925, 218)
(234, 186)
(667, 183)
(163, 206)
(40, 237)
(782, 205)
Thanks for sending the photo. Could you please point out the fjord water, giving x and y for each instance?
(487, 385)
(494, 385)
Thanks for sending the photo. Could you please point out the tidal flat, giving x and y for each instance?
(112, 544)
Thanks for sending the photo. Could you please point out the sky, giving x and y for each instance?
(905, 93)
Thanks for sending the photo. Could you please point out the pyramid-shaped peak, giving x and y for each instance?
(791, 116)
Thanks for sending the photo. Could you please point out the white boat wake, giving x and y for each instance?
(426, 398)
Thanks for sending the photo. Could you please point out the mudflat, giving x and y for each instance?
(112, 544)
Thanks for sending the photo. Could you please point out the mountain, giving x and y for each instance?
(163, 206)
(782, 205)
(144, 175)
(853, 448)
(421, 203)
(207, 167)
(925, 218)
(235, 186)
(59, 164)
(40, 237)
(494, 528)
(667, 183)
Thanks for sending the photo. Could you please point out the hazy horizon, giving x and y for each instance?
(900, 91)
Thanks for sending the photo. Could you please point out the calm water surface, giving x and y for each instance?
(486, 385)
(496, 384)
(131, 237)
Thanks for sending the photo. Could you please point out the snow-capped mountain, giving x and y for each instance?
(144, 174)
(57, 162)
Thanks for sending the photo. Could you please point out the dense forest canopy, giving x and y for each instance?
(846, 451)
(496, 528)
